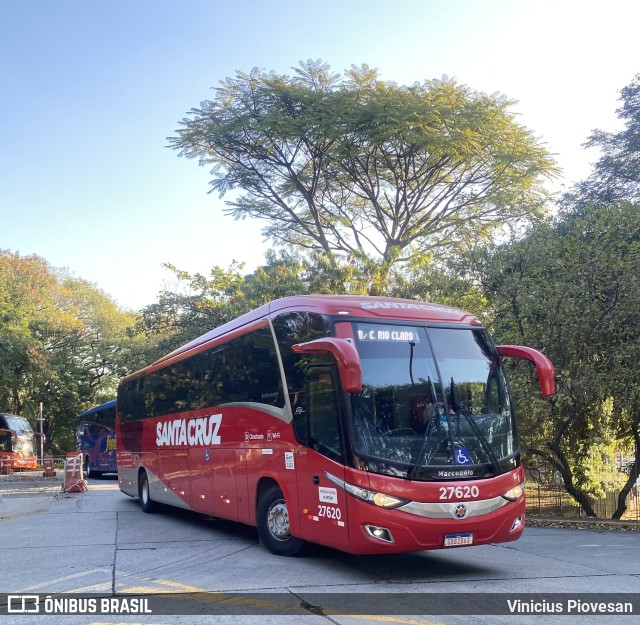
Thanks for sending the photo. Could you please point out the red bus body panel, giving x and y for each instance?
(224, 477)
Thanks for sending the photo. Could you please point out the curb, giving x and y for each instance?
(584, 523)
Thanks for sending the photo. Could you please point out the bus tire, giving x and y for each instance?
(146, 503)
(89, 471)
(273, 524)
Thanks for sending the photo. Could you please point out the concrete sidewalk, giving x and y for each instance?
(21, 495)
(22, 505)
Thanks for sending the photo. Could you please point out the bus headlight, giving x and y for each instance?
(514, 493)
(364, 494)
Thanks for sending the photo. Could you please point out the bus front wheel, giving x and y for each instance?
(273, 524)
(146, 503)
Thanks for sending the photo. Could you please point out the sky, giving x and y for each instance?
(90, 91)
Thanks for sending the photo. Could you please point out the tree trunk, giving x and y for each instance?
(633, 473)
(561, 465)
(626, 489)
(16, 404)
(567, 475)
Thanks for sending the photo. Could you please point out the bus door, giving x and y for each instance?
(174, 468)
(323, 506)
(227, 476)
(213, 483)
(200, 473)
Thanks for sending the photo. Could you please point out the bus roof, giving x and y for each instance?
(360, 306)
(105, 406)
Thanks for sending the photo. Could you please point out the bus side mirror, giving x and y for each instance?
(346, 357)
(544, 367)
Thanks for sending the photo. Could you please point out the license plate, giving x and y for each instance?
(458, 540)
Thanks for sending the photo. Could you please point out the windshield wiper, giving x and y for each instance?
(412, 347)
(431, 424)
(437, 417)
(459, 410)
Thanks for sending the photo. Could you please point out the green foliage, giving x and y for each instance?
(616, 174)
(366, 171)
(571, 289)
(61, 341)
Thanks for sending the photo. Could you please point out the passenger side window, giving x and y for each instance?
(292, 328)
(322, 411)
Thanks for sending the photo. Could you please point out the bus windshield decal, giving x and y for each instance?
(192, 432)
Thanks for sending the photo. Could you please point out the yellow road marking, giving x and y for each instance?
(180, 587)
(391, 619)
(379, 619)
(170, 587)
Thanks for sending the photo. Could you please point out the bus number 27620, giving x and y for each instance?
(459, 492)
(330, 512)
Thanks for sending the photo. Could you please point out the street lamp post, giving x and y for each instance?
(41, 436)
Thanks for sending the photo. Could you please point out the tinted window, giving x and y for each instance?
(106, 417)
(5, 440)
(130, 400)
(292, 328)
(322, 410)
(243, 370)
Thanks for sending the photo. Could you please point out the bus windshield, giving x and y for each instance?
(19, 424)
(17, 444)
(433, 399)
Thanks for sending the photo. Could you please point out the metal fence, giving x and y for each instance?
(551, 499)
(47, 476)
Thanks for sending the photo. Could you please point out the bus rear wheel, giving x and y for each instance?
(146, 503)
(89, 471)
(273, 524)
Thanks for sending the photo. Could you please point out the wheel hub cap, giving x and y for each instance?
(278, 521)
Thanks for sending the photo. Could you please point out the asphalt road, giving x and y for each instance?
(101, 542)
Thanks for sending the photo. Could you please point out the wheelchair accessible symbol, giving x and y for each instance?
(462, 455)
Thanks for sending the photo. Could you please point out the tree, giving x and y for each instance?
(616, 174)
(202, 303)
(61, 343)
(358, 168)
(571, 289)
(87, 348)
(615, 178)
(25, 285)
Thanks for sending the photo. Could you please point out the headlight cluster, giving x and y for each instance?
(513, 494)
(364, 494)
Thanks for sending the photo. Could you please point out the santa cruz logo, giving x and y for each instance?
(460, 511)
(191, 432)
(409, 306)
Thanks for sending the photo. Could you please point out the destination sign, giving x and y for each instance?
(386, 333)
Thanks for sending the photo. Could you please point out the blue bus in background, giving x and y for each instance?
(96, 438)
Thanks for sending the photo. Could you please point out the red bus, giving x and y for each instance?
(365, 424)
(17, 444)
(96, 439)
